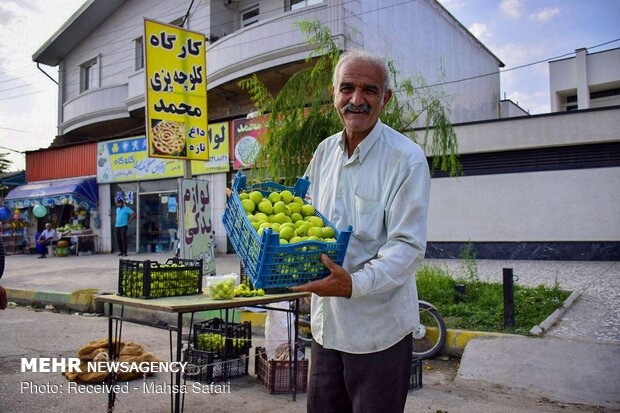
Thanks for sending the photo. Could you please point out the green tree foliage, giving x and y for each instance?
(5, 163)
(302, 113)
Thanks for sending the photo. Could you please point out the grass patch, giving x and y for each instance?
(481, 307)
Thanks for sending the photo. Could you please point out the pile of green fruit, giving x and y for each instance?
(242, 290)
(217, 342)
(167, 280)
(221, 288)
(287, 215)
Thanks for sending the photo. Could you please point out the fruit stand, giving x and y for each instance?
(181, 305)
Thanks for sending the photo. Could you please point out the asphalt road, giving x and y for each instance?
(28, 333)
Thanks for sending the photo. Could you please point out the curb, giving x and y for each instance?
(81, 300)
(84, 301)
(456, 340)
(555, 316)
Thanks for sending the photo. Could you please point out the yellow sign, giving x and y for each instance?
(176, 92)
(126, 160)
(219, 142)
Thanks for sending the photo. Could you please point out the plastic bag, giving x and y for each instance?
(276, 325)
(222, 287)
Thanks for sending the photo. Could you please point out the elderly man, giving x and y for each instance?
(377, 180)
(47, 237)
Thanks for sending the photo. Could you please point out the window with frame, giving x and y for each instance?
(89, 75)
(139, 53)
(300, 4)
(250, 16)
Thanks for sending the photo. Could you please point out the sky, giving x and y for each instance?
(518, 32)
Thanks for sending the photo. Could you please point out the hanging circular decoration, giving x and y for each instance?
(5, 213)
(16, 217)
(64, 201)
(39, 211)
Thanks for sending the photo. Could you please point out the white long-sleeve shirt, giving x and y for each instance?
(382, 191)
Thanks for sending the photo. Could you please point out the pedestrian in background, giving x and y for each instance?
(377, 180)
(124, 217)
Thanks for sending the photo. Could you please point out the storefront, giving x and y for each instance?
(155, 204)
(70, 205)
(150, 187)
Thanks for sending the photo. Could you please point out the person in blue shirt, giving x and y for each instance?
(124, 217)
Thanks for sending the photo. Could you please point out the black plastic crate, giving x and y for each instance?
(415, 379)
(276, 375)
(222, 338)
(207, 367)
(150, 279)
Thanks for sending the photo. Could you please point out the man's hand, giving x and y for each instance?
(336, 284)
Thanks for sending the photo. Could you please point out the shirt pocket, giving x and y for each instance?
(368, 219)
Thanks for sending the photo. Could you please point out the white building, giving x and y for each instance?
(99, 53)
(534, 187)
(588, 80)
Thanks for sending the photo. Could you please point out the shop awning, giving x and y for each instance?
(13, 178)
(77, 191)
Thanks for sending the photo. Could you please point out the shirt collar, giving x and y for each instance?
(364, 147)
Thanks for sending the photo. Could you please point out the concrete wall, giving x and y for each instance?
(566, 128)
(421, 38)
(573, 205)
(550, 206)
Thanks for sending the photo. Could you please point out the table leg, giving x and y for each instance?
(177, 396)
(295, 340)
(109, 379)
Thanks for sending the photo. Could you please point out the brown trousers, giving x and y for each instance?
(359, 383)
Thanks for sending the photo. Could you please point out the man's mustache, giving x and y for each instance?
(349, 107)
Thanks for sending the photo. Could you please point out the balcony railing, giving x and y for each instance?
(93, 106)
(265, 44)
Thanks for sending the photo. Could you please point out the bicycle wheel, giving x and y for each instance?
(431, 337)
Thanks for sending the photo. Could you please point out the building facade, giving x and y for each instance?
(100, 55)
(587, 80)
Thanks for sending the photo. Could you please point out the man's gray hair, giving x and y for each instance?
(367, 57)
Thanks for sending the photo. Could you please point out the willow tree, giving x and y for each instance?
(302, 113)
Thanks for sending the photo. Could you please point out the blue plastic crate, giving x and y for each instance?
(268, 263)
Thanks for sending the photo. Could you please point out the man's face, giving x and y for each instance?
(48, 226)
(119, 204)
(359, 97)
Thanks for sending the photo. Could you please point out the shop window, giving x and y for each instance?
(90, 74)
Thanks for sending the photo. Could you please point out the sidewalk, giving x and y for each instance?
(588, 332)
